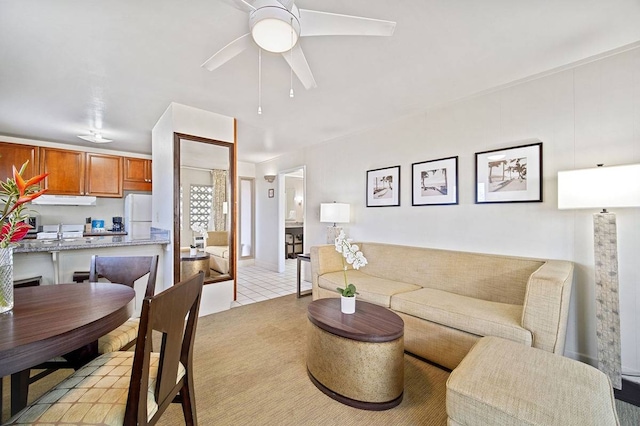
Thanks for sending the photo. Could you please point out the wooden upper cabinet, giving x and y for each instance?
(66, 171)
(104, 175)
(80, 173)
(137, 174)
(12, 154)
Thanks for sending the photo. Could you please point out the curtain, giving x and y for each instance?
(218, 214)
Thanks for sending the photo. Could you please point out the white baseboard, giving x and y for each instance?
(581, 357)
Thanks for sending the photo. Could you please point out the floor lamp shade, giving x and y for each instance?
(604, 187)
(334, 213)
(599, 187)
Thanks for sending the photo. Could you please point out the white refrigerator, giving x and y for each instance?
(137, 215)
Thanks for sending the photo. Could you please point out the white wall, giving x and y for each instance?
(583, 116)
(296, 186)
(195, 122)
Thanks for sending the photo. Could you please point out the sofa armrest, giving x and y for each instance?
(324, 259)
(546, 305)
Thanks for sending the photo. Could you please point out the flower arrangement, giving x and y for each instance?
(201, 228)
(15, 193)
(351, 255)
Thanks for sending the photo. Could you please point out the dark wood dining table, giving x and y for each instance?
(52, 320)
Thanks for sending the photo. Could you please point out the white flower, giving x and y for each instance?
(350, 252)
(353, 256)
(200, 228)
(359, 260)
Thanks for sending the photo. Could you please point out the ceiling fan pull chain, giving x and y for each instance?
(259, 81)
(291, 63)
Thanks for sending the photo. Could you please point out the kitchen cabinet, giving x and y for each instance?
(80, 173)
(137, 174)
(66, 171)
(104, 175)
(12, 154)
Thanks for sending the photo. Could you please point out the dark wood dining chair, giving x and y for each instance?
(98, 392)
(123, 270)
(116, 269)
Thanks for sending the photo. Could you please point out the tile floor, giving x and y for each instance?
(256, 284)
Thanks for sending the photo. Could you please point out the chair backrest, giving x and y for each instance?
(173, 313)
(125, 270)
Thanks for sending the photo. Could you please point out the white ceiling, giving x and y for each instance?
(67, 66)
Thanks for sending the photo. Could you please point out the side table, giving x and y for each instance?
(302, 258)
(190, 265)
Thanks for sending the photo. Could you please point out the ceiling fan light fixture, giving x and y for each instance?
(274, 29)
(95, 137)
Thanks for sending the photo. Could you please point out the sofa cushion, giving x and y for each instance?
(495, 278)
(370, 289)
(476, 316)
(220, 251)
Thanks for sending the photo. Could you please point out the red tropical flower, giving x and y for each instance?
(18, 234)
(24, 187)
(15, 193)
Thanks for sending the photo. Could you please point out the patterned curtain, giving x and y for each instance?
(219, 183)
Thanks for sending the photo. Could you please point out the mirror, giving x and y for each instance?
(204, 216)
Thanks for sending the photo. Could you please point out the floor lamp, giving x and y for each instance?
(604, 187)
(334, 213)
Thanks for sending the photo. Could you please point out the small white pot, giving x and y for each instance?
(348, 304)
(193, 251)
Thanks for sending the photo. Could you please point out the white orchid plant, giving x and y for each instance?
(351, 255)
(200, 228)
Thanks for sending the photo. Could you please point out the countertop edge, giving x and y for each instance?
(82, 244)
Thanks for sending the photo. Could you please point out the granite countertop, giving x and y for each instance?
(157, 236)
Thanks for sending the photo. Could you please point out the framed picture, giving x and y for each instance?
(271, 193)
(383, 187)
(510, 175)
(435, 182)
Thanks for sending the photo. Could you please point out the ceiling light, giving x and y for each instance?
(274, 29)
(95, 137)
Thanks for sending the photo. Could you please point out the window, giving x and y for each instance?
(200, 205)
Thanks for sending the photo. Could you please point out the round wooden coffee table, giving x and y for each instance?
(190, 265)
(357, 359)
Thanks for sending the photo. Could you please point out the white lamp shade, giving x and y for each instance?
(599, 187)
(334, 212)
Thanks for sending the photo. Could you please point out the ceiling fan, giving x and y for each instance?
(276, 26)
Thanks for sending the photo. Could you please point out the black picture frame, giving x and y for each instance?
(383, 187)
(517, 177)
(434, 182)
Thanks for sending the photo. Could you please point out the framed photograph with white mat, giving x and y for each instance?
(509, 175)
(435, 182)
(383, 187)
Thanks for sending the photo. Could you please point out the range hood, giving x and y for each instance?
(64, 200)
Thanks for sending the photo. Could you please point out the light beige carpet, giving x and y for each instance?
(250, 370)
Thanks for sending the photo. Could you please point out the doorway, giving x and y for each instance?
(247, 218)
(292, 215)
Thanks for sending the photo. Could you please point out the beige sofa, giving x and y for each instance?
(218, 249)
(449, 300)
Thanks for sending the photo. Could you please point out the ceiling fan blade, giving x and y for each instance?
(316, 23)
(228, 52)
(244, 5)
(296, 60)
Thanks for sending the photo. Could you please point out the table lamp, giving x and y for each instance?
(336, 213)
(604, 187)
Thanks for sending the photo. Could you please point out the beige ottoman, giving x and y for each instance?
(501, 382)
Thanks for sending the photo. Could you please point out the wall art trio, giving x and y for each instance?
(508, 175)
